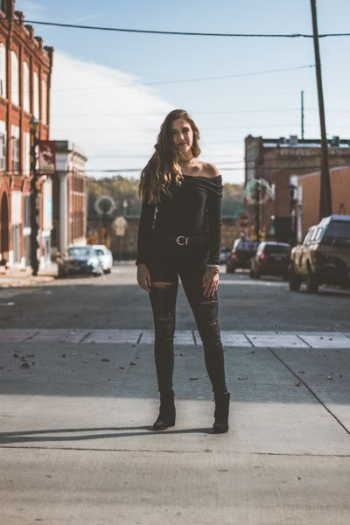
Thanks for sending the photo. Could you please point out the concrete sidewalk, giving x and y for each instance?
(22, 277)
(77, 446)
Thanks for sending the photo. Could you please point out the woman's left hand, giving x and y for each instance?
(210, 283)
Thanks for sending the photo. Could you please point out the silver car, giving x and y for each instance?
(80, 260)
(105, 256)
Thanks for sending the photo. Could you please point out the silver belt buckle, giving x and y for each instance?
(182, 237)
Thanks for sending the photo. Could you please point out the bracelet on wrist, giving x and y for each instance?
(213, 268)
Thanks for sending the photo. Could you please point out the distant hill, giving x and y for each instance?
(123, 189)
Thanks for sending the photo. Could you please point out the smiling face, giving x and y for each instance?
(182, 135)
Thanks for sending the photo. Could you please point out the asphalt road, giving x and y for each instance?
(116, 301)
(77, 407)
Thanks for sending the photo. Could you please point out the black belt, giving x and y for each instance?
(182, 240)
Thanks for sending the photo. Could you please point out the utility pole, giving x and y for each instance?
(325, 184)
(257, 210)
(34, 194)
(302, 115)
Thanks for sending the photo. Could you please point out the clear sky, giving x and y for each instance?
(101, 102)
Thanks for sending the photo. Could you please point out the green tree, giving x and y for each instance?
(122, 188)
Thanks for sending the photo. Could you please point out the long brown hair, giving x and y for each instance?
(156, 175)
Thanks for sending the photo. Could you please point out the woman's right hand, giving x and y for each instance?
(144, 277)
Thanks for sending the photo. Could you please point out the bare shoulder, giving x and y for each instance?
(210, 170)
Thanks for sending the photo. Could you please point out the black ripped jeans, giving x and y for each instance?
(167, 261)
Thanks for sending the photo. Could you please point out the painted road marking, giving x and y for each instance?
(230, 338)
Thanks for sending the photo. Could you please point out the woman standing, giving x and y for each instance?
(179, 235)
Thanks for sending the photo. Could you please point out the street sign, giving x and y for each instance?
(120, 225)
(47, 156)
(105, 205)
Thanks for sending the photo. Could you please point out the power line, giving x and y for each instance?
(193, 112)
(133, 130)
(201, 79)
(178, 33)
(235, 168)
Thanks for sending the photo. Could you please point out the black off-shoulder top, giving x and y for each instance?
(194, 209)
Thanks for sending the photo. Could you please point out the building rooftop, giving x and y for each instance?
(293, 141)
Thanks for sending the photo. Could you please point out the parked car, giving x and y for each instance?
(271, 258)
(242, 251)
(80, 260)
(105, 256)
(224, 254)
(324, 255)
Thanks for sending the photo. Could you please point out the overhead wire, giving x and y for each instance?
(178, 33)
(181, 81)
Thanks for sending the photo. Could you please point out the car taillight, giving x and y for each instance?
(262, 257)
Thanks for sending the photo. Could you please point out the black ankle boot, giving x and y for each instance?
(222, 402)
(167, 411)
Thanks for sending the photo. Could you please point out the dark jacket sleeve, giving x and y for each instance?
(144, 231)
(214, 226)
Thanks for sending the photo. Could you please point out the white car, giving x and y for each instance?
(105, 256)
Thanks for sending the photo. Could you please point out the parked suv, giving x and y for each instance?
(242, 251)
(324, 255)
(272, 258)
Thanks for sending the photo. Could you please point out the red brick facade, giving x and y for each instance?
(25, 80)
(275, 160)
(69, 197)
(309, 194)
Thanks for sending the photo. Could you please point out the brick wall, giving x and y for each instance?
(310, 184)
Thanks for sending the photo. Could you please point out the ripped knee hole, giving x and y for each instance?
(161, 284)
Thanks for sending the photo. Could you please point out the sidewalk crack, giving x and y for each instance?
(310, 390)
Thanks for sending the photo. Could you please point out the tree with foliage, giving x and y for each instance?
(126, 189)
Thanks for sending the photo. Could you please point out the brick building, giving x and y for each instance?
(69, 197)
(25, 80)
(275, 160)
(307, 196)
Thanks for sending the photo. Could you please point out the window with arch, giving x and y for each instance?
(26, 87)
(2, 146)
(15, 149)
(14, 79)
(2, 70)
(36, 96)
(44, 101)
(26, 160)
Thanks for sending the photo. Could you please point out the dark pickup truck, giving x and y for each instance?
(324, 255)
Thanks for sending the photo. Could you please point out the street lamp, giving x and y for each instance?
(34, 208)
(125, 206)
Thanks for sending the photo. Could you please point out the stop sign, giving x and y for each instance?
(243, 220)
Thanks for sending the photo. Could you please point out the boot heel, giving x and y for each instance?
(222, 403)
(162, 423)
(167, 411)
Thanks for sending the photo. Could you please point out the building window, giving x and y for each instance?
(26, 154)
(2, 70)
(44, 102)
(2, 146)
(15, 149)
(26, 96)
(14, 79)
(36, 95)
(3, 6)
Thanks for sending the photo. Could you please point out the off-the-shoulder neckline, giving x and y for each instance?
(201, 177)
